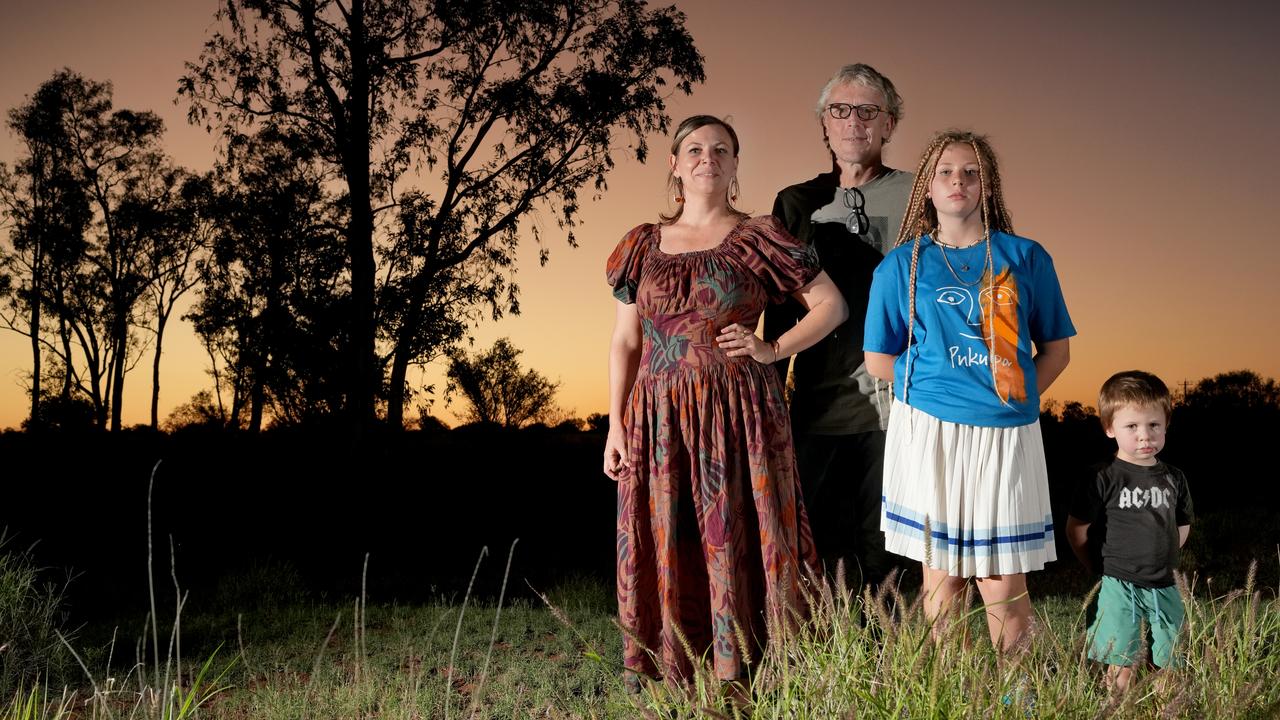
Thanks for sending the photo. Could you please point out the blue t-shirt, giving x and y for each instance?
(950, 374)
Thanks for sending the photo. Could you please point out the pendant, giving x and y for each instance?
(964, 268)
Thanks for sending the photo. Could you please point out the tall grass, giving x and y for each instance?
(36, 704)
(155, 687)
(873, 657)
(31, 615)
(868, 655)
(864, 656)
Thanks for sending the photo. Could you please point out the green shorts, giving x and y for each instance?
(1125, 611)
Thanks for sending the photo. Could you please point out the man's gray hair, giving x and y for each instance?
(863, 75)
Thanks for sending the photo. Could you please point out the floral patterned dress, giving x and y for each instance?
(712, 532)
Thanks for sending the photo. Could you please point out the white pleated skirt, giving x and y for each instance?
(973, 501)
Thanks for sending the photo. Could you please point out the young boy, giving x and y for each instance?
(1134, 514)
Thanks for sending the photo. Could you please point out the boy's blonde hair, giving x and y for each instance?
(1132, 387)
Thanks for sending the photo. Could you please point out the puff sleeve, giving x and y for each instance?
(782, 263)
(623, 269)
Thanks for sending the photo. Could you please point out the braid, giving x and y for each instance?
(995, 214)
(911, 315)
(914, 225)
(919, 217)
(991, 273)
(914, 205)
(916, 222)
(997, 194)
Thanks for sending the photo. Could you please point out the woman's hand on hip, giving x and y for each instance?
(738, 341)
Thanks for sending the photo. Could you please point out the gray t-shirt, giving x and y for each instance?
(886, 202)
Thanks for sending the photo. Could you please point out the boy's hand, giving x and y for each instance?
(1078, 536)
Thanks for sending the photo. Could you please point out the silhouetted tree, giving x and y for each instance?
(598, 422)
(180, 223)
(113, 157)
(439, 322)
(570, 425)
(1235, 391)
(1076, 412)
(200, 411)
(273, 290)
(61, 409)
(1215, 432)
(497, 390)
(513, 104)
(44, 208)
(120, 163)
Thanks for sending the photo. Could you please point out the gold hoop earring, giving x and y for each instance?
(734, 189)
(679, 190)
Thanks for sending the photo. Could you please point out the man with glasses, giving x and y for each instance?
(851, 215)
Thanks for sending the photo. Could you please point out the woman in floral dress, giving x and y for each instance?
(712, 532)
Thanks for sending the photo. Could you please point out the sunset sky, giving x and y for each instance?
(1137, 141)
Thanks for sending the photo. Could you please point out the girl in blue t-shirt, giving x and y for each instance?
(967, 321)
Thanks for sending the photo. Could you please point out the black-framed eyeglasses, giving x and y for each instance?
(840, 111)
(857, 222)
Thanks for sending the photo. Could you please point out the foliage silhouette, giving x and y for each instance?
(1217, 431)
(273, 289)
(1238, 390)
(201, 411)
(89, 201)
(497, 390)
(181, 222)
(507, 107)
(47, 211)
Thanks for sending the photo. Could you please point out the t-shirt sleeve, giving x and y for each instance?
(885, 330)
(781, 262)
(623, 269)
(1184, 512)
(786, 219)
(1049, 319)
(1086, 503)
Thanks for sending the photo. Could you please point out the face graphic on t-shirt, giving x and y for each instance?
(975, 339)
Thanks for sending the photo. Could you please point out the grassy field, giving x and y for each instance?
(284, 655)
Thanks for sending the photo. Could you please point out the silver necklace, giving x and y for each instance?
(942, 247)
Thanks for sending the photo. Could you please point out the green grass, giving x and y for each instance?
(558, 657)
(874, 657)
(317, 660)
(31, 617)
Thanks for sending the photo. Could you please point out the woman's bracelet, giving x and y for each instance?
(774, 344)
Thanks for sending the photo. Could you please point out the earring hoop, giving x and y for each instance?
(734, 189)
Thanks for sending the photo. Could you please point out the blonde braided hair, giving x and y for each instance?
(921, 218)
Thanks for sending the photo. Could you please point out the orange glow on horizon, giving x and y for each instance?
(1134, 145)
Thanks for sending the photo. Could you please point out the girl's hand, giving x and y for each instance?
(737, 341)
(617, 464)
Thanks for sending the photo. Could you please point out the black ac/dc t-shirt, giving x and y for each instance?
(1134, 513)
